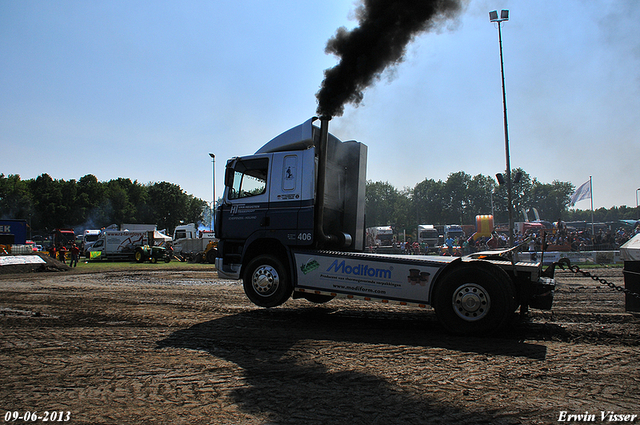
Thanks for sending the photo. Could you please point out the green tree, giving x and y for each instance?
(68, 211)
(479, 195)
(551, 200)
(456, 187)
(381, 204)
(195, 210)
(172, 206)
(117, 194)
(403, 217)
(50, 210)
(429, 201)
(15, 197)
(90, 200)
(89, 203)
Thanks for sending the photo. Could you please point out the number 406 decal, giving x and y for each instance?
(304, 236)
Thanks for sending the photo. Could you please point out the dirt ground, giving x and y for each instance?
(183, 347)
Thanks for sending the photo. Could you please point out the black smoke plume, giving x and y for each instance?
(385, 28)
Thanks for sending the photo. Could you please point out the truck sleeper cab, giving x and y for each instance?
(292, 223)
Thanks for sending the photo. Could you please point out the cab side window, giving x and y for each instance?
(250, 178)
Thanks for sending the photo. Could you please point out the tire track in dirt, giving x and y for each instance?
(182, 347)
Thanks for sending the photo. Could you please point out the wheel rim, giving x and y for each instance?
(265, 280)
(471, 302)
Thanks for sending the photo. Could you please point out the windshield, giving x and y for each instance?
(429, 234)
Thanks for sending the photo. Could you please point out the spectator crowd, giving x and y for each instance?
(560, 238)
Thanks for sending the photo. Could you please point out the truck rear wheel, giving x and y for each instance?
(266, 281)
(211, 256)
(139, 255)
(474, 298)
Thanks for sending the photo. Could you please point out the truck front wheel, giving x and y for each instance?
(474, 299)
(266, 281)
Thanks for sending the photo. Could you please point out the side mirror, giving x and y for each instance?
(228, 176)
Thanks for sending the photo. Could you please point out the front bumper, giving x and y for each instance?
(229, 271)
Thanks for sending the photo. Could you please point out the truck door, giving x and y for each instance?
(291, 198)
(246, 198)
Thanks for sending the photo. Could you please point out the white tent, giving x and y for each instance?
(161, 238)
(630, 251)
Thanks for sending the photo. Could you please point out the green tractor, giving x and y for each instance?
(152, 253)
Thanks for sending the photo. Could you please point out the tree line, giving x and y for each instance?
(461, 197)
(48, 203)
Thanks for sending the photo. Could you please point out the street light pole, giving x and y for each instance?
(637, 209)
(493, 17)
(213, 204)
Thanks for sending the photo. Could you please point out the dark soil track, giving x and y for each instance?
(184, 347)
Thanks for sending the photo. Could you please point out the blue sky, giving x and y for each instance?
(147, 89)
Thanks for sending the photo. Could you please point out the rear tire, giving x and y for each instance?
(139, 255)
(475, 298)
(211, 256)
(266, 281)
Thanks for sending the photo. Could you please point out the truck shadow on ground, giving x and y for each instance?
(288, 378)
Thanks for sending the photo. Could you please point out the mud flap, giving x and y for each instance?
(541, 295)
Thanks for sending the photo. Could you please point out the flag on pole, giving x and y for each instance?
(583, 192)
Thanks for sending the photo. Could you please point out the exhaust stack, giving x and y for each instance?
(341, 182)
(323, 239)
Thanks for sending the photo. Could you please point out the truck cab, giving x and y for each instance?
(195, 245)
(428, 236)
(453, 231)
(270, 198)
(185, 231)
(89, 237)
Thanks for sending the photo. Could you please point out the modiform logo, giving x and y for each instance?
(359, 270)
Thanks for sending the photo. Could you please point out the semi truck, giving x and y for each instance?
(428, 237)
(191, 244)
(291, 224)
(381, 235)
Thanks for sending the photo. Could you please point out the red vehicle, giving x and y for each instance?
(64, 237)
